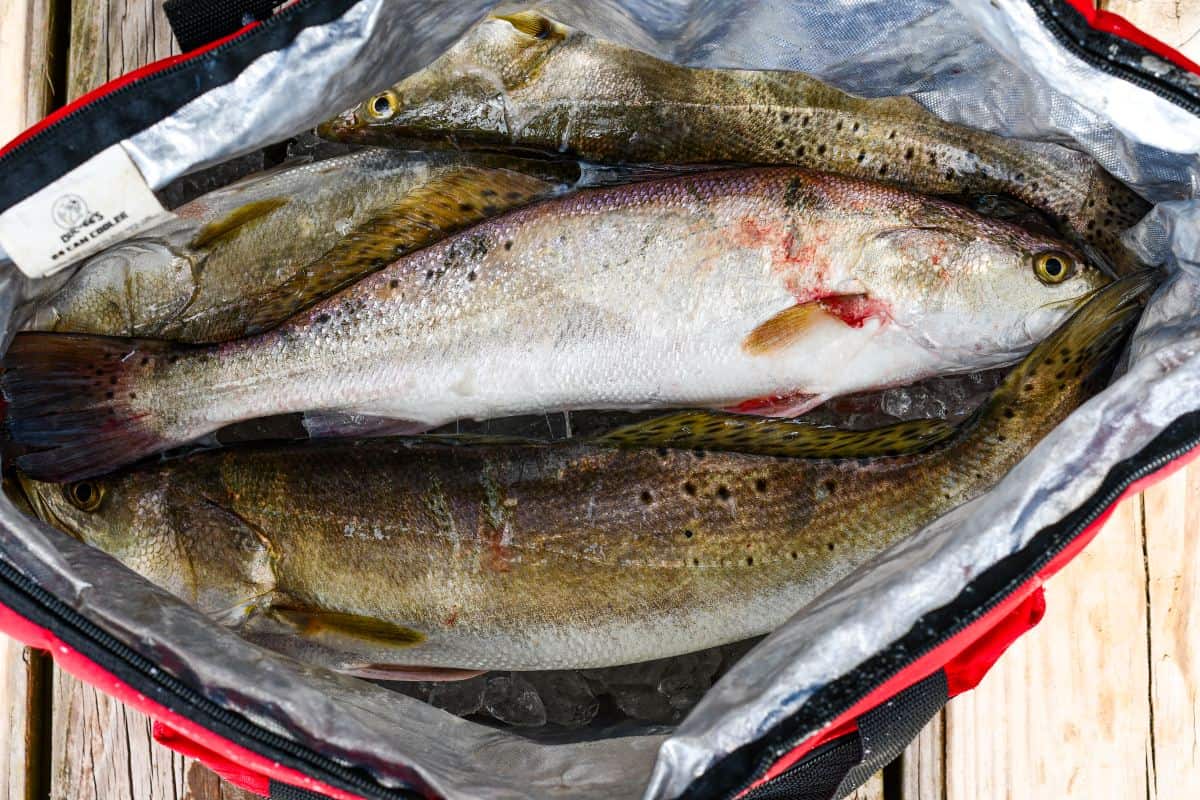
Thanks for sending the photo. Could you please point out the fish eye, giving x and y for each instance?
(84, 495)
(382, 106)
(1053, 267)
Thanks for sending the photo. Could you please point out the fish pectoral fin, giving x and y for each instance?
(405, 672)
(742, 433)
(235, 222)
(315, 623)
(788, 326)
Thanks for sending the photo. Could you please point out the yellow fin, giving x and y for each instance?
(431, 211)
(311, 622)
(788, 325)
(766, 436)
(531, 23)
(235, 222)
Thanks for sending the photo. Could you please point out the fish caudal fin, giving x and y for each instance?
(71, 400)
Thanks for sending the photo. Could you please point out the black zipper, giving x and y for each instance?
(106, 99)
(769, 753)
(1115, 56)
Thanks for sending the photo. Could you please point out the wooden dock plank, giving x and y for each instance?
(1065, 711)
(1172, 556)
(112, 37)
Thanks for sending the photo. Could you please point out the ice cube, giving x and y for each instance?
(512, 699)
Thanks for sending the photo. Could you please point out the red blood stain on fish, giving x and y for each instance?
(771, 405)
(452, 620)
(855, 309)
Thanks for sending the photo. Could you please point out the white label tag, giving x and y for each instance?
(92, 206)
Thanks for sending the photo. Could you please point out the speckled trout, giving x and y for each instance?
(526, 81)
(387, 557)
(246, 257)
(763, 290)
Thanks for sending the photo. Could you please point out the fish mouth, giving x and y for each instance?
(343, 127)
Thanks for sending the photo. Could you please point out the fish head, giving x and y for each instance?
(512, 78)
(147, 521)
(964, 286)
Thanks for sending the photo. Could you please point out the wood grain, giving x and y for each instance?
(112, 37)
(1172, 554)
(102, 750)
(1175, 22)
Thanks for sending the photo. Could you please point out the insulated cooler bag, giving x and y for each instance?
(828, 699)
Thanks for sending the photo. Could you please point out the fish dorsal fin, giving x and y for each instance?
(441, 206)
(765, 436)
(235, 222)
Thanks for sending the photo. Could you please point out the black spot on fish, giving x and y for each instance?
(830, 486)
(785, 117)
(723, 492)
(663, 452)
(695, 562)
(513, 195)
(839, 125)
(133, 395)
(804, 122)
(749, 561)
(113, 380)
(830, 546)
(779, 144)
(688, 533)
(488, 192)
(647, 498)
(883, 169)
(145, 361)
(508, 245)
(820, 149)
(394, 283)
(855, 128)
(892, 135)
(862, 154)
(800, 151)
(489, 209)
(690, 489)
(795, 555)
(108, 395)
(761, 484)
(428, 274)
(1009, 413)
(471, 275)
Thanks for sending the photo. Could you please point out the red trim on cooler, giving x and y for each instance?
(935, 659)
(117, 83)
(966, 670)
(1119, 26)
(206, 742)
(232, 771)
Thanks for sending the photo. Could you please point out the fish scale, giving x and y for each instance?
(427, 553)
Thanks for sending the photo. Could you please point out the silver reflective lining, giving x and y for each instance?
(985, 64)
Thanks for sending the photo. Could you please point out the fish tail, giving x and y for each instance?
(72, 399)
(1109, 209)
